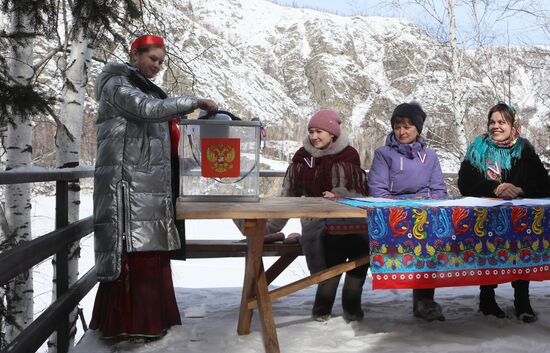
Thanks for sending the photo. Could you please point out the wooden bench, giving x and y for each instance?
(287, 253)
(215, 248)
(235, 248)
(198, 249)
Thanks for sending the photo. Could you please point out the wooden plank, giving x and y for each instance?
(273, 207)
(234, 248)
(16, 176)
(28, 254)
(313, 279)
(279, 266)
(34, 335)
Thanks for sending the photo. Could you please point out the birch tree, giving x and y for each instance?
(462, 64)
(67, 142)
(459, 64)
(26, 17)
(457, 91)
(89, 18)
(19, 293)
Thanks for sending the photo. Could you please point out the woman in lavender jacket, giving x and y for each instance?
(406, 167)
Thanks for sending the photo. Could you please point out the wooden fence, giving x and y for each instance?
(23, 257)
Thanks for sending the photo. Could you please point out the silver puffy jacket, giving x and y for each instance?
(133, 206)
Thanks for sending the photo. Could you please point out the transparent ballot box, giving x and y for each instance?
(219, 160)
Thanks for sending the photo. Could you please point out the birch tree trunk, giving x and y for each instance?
(67, 141)
(457, 94)
(19, 293)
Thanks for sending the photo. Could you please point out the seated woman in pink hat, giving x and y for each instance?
(326, 165)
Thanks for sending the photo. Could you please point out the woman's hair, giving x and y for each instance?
(412, 110)
(402, 119)
(506, 112)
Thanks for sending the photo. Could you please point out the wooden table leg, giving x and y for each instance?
(250, 276)
(255, 283)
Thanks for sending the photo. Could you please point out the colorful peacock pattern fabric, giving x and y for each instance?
(427, 247)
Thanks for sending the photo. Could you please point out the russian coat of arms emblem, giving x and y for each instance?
(220, 157)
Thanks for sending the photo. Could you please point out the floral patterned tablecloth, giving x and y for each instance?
(425, 244)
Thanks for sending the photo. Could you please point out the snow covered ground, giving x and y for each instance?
(208, 293)
(210, 317)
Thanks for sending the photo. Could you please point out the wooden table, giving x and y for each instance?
(255, 285)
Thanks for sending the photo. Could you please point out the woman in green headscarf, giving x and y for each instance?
(502, 164)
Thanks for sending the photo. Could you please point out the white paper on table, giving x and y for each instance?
(463, 202)
(530, 202)
(485, 202)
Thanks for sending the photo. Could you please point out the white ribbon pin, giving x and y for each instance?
(422, 156)
(495, 168)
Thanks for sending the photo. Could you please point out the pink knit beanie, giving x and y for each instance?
(326, 119)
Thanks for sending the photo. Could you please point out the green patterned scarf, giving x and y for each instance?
(489, 158)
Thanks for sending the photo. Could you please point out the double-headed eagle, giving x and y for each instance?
(220, 157)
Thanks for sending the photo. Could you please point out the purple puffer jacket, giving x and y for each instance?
(405, 170)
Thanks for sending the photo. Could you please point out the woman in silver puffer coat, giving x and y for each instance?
(134, 223)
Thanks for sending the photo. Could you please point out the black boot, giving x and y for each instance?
(487, 303)
(522, 305)
(351, 298)
(324, 299)
(425, 307)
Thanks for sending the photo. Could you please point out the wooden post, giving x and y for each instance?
(62, 262)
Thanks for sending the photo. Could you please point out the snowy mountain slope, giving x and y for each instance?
(281, 64)
(259, 59)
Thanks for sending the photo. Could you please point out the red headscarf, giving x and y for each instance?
(146, 40)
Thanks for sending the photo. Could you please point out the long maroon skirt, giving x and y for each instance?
(141, 302)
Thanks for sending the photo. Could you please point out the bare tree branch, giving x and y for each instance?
(46, 58)
(59, 123)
